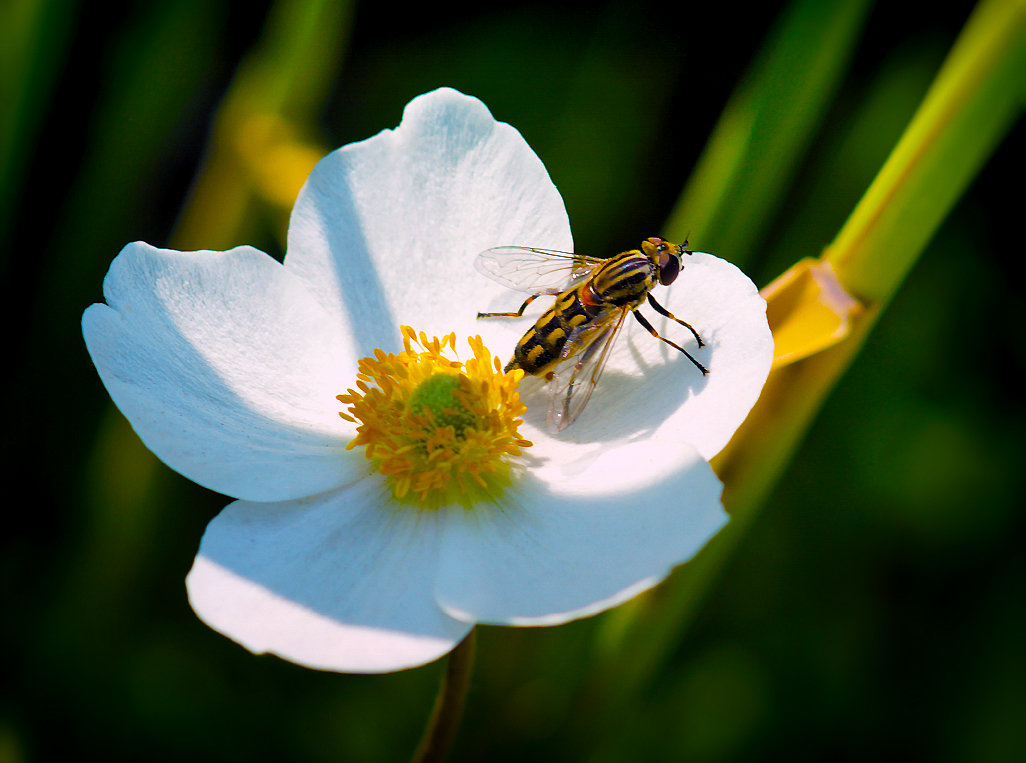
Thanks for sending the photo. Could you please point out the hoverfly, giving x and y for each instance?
(569, 344)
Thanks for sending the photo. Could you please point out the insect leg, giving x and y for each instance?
(519, 313)
(651, 330)
(663, 311)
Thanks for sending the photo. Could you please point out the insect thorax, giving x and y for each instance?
(625, 279)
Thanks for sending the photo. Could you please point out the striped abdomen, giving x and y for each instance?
(542, 345)
(621, 281)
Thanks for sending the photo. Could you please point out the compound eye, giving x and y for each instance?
(669, 267)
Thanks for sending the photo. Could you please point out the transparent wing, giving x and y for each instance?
(532, 269)
(578, 373)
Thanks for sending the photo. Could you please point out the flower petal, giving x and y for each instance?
(337, 582)
(650, 389)
(575, 543)
(386, 231)
(227, 369)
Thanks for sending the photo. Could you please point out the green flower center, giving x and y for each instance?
(439, 395)
(441, 431)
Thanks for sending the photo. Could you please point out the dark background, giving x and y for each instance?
(876, 605)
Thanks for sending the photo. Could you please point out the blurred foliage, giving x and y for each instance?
(970, 106)
(875, 603)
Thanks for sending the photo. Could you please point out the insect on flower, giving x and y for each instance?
(569, 344)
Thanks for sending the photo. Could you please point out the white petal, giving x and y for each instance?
(339, 582)
(386, 231)
(649, 389)
(227, 368)
(574, 543)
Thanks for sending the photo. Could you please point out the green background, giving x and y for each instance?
(876, 604)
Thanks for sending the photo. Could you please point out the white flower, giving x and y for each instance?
(228, 365)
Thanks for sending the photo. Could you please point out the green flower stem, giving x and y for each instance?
(448, 711)
(975, 99)
(971, 106)
(766, 127)
(973, 103)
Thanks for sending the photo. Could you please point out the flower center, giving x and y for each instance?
(439, 430)
(437, 394)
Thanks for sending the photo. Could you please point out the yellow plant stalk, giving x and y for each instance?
(976, 97)
(822, 309)
(836, 299)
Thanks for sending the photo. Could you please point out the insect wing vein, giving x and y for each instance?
(532, 269)
(584, 360)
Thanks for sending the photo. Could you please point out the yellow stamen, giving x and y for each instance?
(440, 431)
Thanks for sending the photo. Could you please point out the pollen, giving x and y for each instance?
(441, 431)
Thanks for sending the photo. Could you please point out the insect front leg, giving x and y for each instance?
(651, 330)
(519, 313)
(663, 311)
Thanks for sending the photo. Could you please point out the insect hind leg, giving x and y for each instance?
(651, 330)
(663, 311)
(519, 313)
